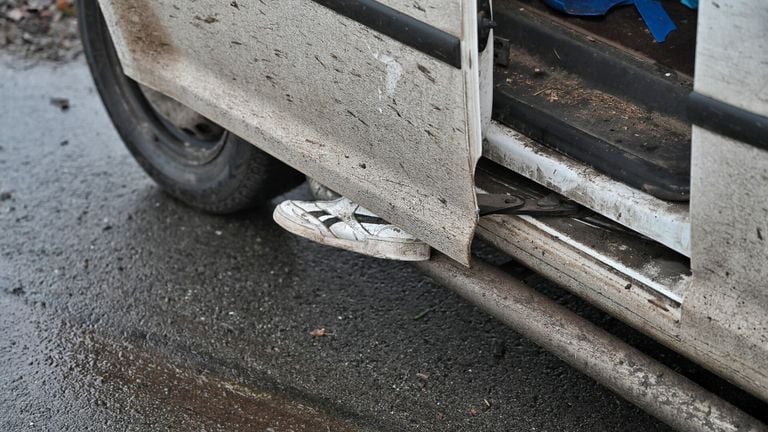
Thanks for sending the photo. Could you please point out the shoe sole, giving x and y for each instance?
(393, 250)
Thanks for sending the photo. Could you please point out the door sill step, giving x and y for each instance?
(665, 222)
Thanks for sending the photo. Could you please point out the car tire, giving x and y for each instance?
(219, 172)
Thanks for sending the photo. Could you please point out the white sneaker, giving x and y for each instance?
(343, 224)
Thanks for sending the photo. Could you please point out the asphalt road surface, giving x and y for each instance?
(122, 309)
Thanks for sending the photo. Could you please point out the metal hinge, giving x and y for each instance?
(485, 23)
(550, 205)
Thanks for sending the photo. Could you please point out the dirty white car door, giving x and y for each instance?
(379, 100)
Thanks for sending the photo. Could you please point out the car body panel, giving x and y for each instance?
(726, 309)
(387, 125)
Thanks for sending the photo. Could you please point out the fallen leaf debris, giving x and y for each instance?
(61, 103)
(318, 332)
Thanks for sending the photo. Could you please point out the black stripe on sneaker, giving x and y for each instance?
(373, 220)
(318, 213)
(330, 221)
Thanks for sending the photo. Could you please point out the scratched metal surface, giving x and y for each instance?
(373, 119)
(727, 309)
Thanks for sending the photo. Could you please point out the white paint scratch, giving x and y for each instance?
(394, 72)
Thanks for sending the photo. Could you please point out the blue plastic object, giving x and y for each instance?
(693, 4)
(656, 18)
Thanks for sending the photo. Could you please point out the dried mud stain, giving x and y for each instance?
(143, 31)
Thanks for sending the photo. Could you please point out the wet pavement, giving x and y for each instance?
(122, 309)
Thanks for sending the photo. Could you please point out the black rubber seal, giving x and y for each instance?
(558, 133)
(401, 27)
(728, 120)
